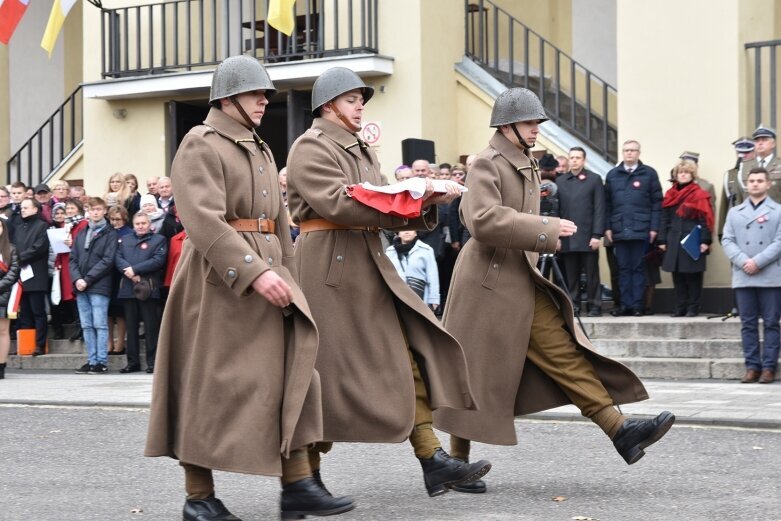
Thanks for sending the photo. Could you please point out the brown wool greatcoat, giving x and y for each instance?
(491, 301)
(234, 382)
(361, 305)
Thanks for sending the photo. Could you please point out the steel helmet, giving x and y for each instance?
(333, 83)
(239, 74)
(517, 104)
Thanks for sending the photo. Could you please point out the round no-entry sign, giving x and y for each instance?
(371, 133)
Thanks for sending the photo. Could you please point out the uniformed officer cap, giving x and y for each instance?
(691, 156)
(239, 74)
(764, 132)
(333, 83)
(515, 105)
(743, 145)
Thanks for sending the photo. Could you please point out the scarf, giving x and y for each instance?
(93, 229)
(76, 219)
(156, 220)
(692, 201)
(402, 250)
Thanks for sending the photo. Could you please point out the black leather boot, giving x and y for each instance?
(635, 435)
(441, 472)
(209, 509)
(473, 487)
(319, 480)
(307, 498)
(2, 371)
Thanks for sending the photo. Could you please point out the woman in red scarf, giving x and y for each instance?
(686, 207)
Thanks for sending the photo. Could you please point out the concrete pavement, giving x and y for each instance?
(697, 402)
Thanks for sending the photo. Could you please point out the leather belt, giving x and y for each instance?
(253, 225)
(318, 225)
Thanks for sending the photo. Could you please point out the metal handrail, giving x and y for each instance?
(765, 81)
(574, 97)
(181, 35)
(50, 144)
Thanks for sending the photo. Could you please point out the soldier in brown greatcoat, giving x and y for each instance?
(525, 352)
(384, 360)
(767, 158)
(235, 387)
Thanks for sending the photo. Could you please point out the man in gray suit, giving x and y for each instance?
(752, 241)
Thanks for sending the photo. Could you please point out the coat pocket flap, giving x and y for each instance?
(336, 267)
(494, 267)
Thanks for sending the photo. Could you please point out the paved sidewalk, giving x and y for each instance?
(726, 403)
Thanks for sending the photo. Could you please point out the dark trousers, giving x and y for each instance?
(754, 303)
(631, 272)
(574, 263)
(612, 265)
(148, 311)
(688, 291)
(33, 315)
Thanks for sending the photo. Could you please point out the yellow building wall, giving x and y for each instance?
(5, 116)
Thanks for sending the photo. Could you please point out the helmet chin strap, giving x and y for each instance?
(250, 124)
(343, 118)
(522, 141)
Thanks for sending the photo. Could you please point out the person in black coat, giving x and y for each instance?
(91, 267)
(9, 274)
(141, 254)
(32, 245)
(582, 201)
(685, 206)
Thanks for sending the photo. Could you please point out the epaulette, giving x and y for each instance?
(315, 131)
(201, 130)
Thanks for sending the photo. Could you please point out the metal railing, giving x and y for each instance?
(574, 97)
(183, 35)
(50, 145)
(765, 73)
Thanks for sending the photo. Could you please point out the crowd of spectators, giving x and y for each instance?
(101, 264)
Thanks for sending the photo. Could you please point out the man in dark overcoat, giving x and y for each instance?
(525, 353)
(235, 387)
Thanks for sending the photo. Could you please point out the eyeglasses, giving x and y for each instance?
(116, 219)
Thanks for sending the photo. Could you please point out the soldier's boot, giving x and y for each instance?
(319, 480)
(477, 486)
(209, 509)
(307, 497)
(635, 436)
(441, 472)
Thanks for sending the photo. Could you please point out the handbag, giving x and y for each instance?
(142, 289)
(56, 293)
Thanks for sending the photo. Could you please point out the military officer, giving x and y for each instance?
(380, 377)
(734, 190)
(236, 391)
(525, 353)
(765, 149)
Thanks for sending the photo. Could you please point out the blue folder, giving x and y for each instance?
(691, 243)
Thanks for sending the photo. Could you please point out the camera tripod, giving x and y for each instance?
(549, 263)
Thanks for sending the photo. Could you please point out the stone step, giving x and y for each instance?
(687, 368)
(669, 348)
(661, 328)
(66, 362)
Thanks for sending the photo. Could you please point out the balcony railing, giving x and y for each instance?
(184, 35)
(574, 97)
(765, 78)
(50, 145)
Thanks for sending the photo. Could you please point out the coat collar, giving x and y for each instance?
(345, 139)
(231, 129)
(518, 158)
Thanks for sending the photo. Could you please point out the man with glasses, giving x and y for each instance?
(633, 208)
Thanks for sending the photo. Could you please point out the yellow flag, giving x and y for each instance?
(60, 10)
(280, 15)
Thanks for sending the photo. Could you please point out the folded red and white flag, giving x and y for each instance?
(11, 12)
(402, 199)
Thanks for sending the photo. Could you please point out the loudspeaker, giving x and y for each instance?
(412, 149)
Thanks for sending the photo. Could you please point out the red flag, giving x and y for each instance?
(401, 204)
(11, 12)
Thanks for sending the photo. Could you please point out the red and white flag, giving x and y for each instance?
(11, 12)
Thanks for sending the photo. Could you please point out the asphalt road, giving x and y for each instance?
(78, 464)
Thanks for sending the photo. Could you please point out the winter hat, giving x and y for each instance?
(149, 199)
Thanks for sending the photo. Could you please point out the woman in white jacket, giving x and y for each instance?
(415, 262)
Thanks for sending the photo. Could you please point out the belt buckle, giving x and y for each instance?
(260, 225)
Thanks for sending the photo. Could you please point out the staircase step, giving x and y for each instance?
(668, 328)
(668, 348)
(686, 368)
(62, 361)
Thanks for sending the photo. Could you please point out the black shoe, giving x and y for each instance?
(619, 312)
(691, 313)
(39, 351)
(595, 313)
(84, 369)
(637, 313)
(150, 369)
(635, 435)
(98, 369)
(2, 371)
(130, 369)
(115, 353)
(306, 498)
(678, 313)
(441, 471)
(209, 509)
(78, 335)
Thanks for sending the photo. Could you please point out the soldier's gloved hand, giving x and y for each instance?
(273, 288)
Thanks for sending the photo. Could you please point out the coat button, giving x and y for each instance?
(542, 237)
(268, 239)
(339, 258)
(544, 220)
(265, 193)
(270, 261)
(531, 191)
(528, 211)
(496, 266)
(260, 169)
(248, 258)
(232, 274)
(263, 216)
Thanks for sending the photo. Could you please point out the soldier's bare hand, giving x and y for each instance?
(567, 228)
(273, 288)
